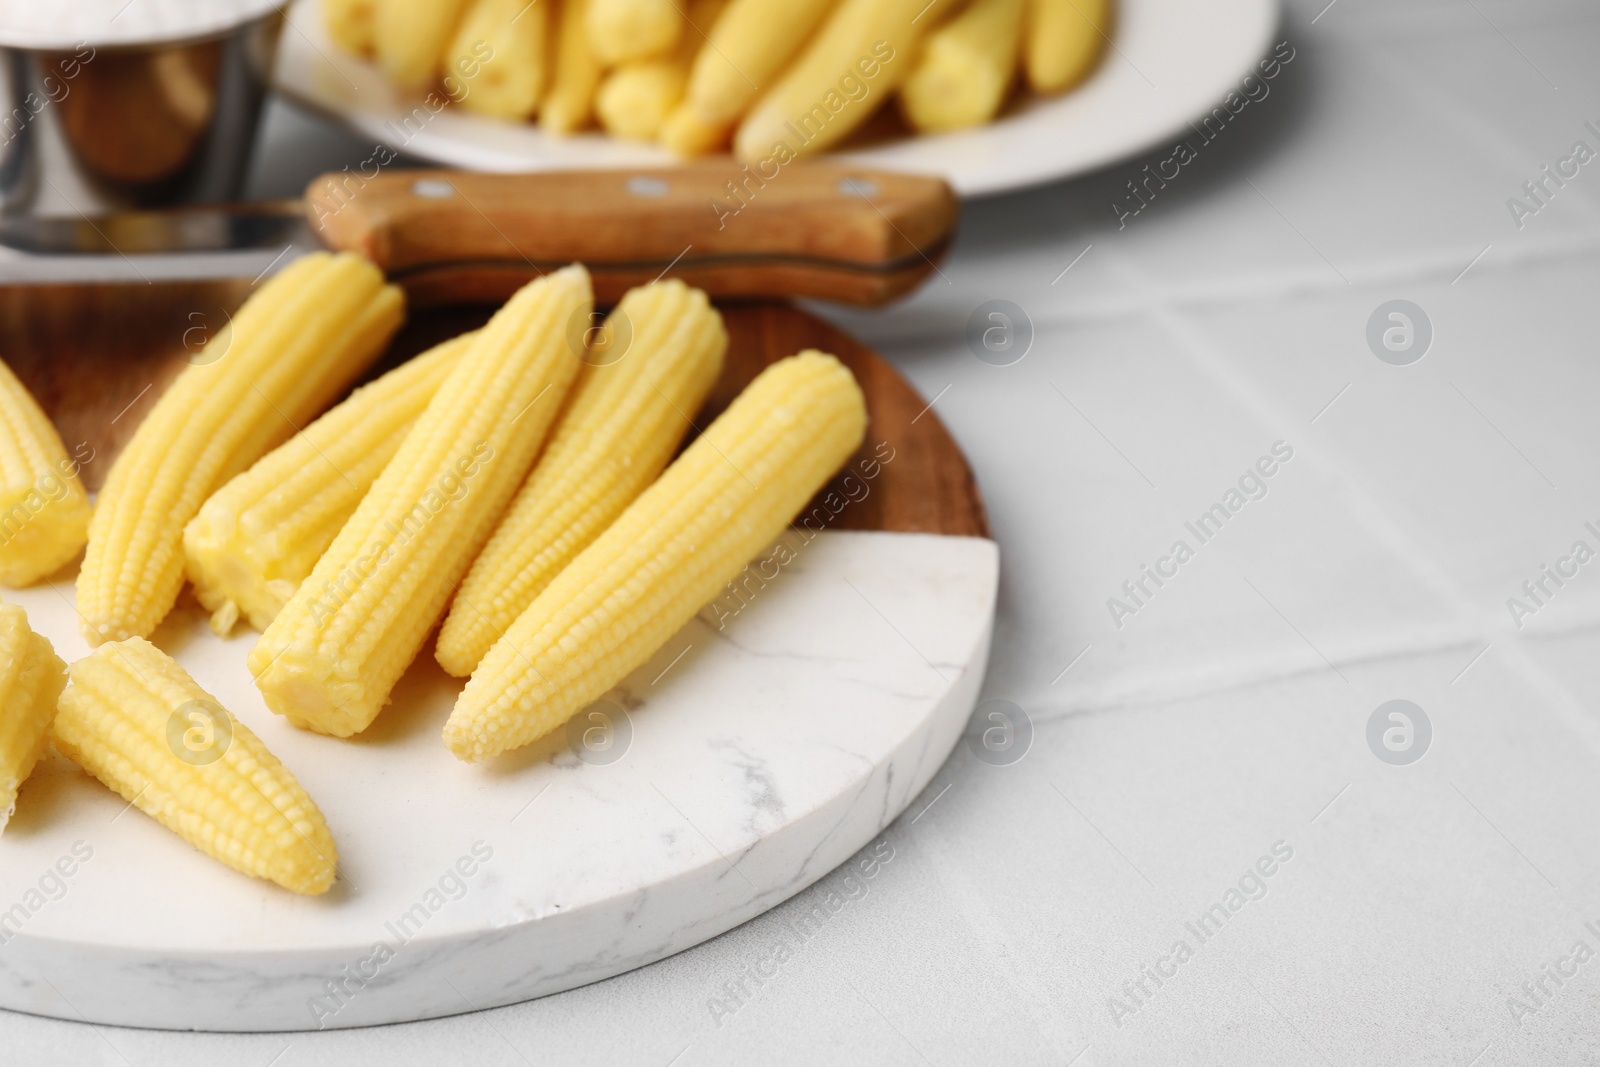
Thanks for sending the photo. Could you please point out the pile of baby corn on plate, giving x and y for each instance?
(507, 487)
(772, 79)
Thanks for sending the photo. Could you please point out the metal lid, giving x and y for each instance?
(65, 25)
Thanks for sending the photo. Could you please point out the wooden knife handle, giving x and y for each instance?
(812, 229)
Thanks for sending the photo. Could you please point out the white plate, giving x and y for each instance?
(1171, 61)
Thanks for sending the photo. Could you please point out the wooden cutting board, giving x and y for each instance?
(98, 356)
(752, 756)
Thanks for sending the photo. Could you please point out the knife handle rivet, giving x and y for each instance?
(646, 186)
(863, 188)
(432, 189)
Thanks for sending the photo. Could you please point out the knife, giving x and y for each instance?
(810, 229)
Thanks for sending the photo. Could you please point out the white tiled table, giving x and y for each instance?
(1229, 714)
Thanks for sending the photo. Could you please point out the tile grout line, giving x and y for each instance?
(1365, 508)
(1213, 296)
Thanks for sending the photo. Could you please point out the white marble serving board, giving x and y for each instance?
(760, 758)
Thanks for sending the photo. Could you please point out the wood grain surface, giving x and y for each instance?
(97, 356)
(812, 229)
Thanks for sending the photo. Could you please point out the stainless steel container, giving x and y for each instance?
(97, 129)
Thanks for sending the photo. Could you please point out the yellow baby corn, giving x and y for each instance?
(349, 23)
(135, 720)
(636, 99)
(330, 658)
(628, 31)
(746, 48)
(258, 537)
(687, 134)
(291, 349)
(966, 68)
(409, 37)
(31, 680)
(44, 512)
(727, 497)
(569, 105)
(1065, 39)
(859, 56)
(623, 424)
(509, 83)
(749, 47)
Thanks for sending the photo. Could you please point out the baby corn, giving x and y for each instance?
(135, 720)
(349, 23)
(966, 68)
(569, 105)
(860, 55)
(44, 512)
(687, 134)
(255, 541)
(409, 37)
(746, 49)
(624, 423)
(1065, 39)
(749, 47)
(628, 31)
(31, 680)
(509, 83)
(727, 497)
(331, 657)
(636, 99)
(291, 349)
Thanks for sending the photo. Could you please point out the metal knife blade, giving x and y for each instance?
(210, 228)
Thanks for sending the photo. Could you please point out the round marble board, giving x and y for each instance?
(765, 744)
